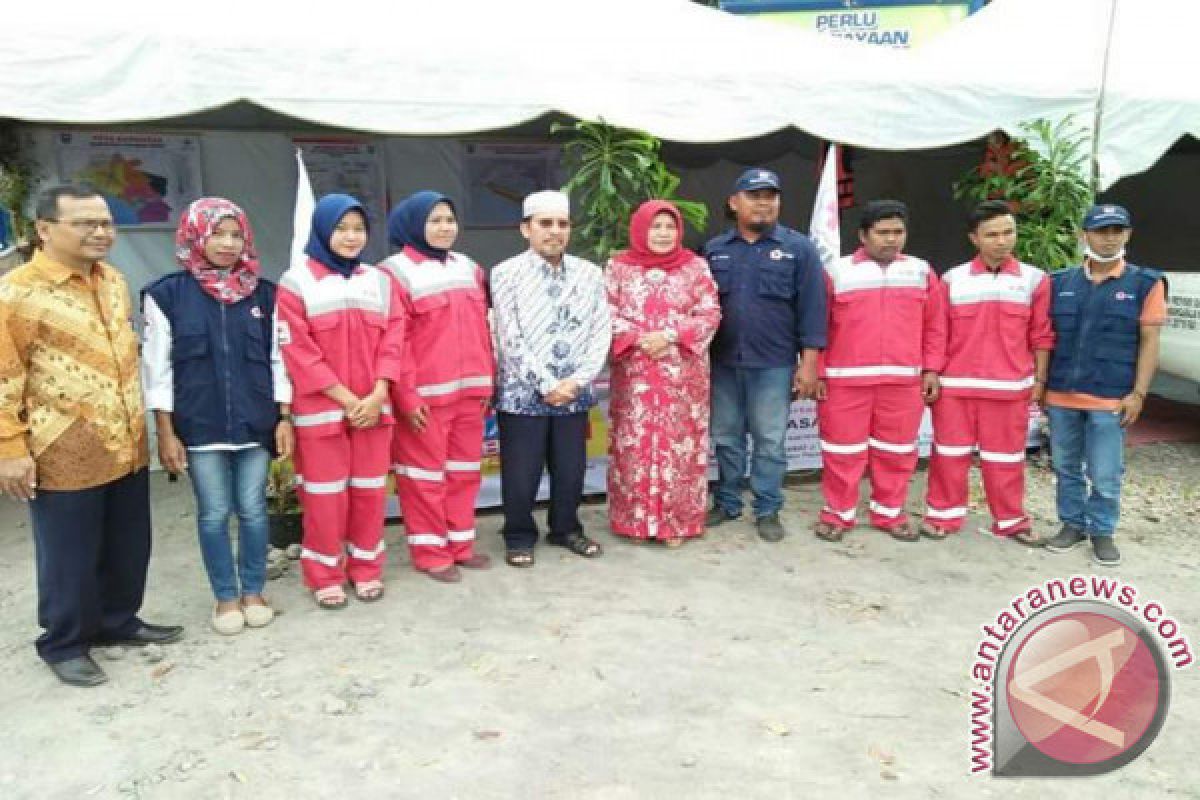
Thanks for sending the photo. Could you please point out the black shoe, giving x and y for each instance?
(1105, 552)
(147, 634)
(1066, 539)
(717, 516)
(79, 671)
(770, 529)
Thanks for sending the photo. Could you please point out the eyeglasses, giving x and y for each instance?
(87, 225)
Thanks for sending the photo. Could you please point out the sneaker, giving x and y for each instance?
(717, 516)
(1105, 552)
(1068, 538)
(770, 529)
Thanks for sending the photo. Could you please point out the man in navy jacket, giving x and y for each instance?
(773, 320)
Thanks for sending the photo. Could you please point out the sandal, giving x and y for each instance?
(448, 574)
(477, 561)
(931, 531)
(673, 542)
(903, 532)
(828, 532)
(369, 591)
(519, 558)
(1028, 538)
(576, 542)
(331, 598)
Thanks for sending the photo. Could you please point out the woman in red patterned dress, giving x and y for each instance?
(665, 311)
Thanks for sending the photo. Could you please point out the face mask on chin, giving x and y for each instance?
(1091, 255)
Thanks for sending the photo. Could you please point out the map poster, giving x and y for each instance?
(354, 167)
(500, 175)
(147, 178)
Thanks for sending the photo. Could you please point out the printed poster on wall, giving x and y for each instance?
(354, 167)
(148, 179)
(500, 175)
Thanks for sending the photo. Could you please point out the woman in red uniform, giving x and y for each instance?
(446, 388)
(341, 331)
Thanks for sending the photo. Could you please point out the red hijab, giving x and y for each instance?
(639, 252)
(195, 229)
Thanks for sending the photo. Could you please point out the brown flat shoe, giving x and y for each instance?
(829, 533)
(931, 531)
(477, 561)
(904, 532)
(448, 574)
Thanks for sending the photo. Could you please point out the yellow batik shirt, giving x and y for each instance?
(70, 395)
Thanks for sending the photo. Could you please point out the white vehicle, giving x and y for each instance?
(1181, 336)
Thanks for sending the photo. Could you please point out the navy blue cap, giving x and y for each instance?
(1106, 216)
(756, 178)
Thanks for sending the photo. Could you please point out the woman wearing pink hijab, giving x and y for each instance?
(665, 311)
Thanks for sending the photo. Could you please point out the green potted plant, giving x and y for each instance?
(1043, 177)
(284, 514)
(613, 171)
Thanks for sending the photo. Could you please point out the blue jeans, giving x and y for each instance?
(226, 481)
(758, 402)
(1091, 443)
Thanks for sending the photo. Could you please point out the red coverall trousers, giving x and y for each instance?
(999, 428)
(868, 426)
(343, 491)
(437, 481)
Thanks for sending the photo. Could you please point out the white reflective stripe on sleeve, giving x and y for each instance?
(892, 448)
(321, 418)
(432, 539)
(951, 382)
(846, 515)
(946, 513)
(1005, 524)
(953, 449)
(367, 555)
(439, 389)
(462, 466)
(1002, 458)
(312, 555)
(327, 487)
(418, 474)
(885, 511)
(863, 372)
(845, 449)
(460, 536)
(368, 483)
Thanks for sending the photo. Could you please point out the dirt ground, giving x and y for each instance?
(729, 668)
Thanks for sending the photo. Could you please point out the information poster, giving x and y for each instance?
(500, 175)
(148, 179)
(354, 167)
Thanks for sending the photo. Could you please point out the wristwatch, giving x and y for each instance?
(285, 416)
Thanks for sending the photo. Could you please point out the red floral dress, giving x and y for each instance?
(658, 439)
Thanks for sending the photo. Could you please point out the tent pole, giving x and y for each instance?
(1112, 18)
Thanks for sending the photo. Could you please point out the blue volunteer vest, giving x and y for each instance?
(1097, 329)
(221, 360)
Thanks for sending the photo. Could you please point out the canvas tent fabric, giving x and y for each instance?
(671, 67)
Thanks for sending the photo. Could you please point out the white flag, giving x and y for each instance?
(825, 228)
(302, 215)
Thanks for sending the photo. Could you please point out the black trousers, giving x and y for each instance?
(528, 444)
(92, 548)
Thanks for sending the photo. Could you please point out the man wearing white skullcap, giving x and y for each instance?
(552, 338)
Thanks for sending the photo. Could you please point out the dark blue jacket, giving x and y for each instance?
(221, 362)
(772, 298)
(1098, 330)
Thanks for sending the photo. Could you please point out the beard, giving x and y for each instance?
(757, 226)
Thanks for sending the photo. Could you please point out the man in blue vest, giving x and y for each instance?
(1107, 316)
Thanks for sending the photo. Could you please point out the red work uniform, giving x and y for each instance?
(451, 372)
(997, 321)
(886, 326)
(350, 331)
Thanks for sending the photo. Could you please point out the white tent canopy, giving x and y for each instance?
(676, 69)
